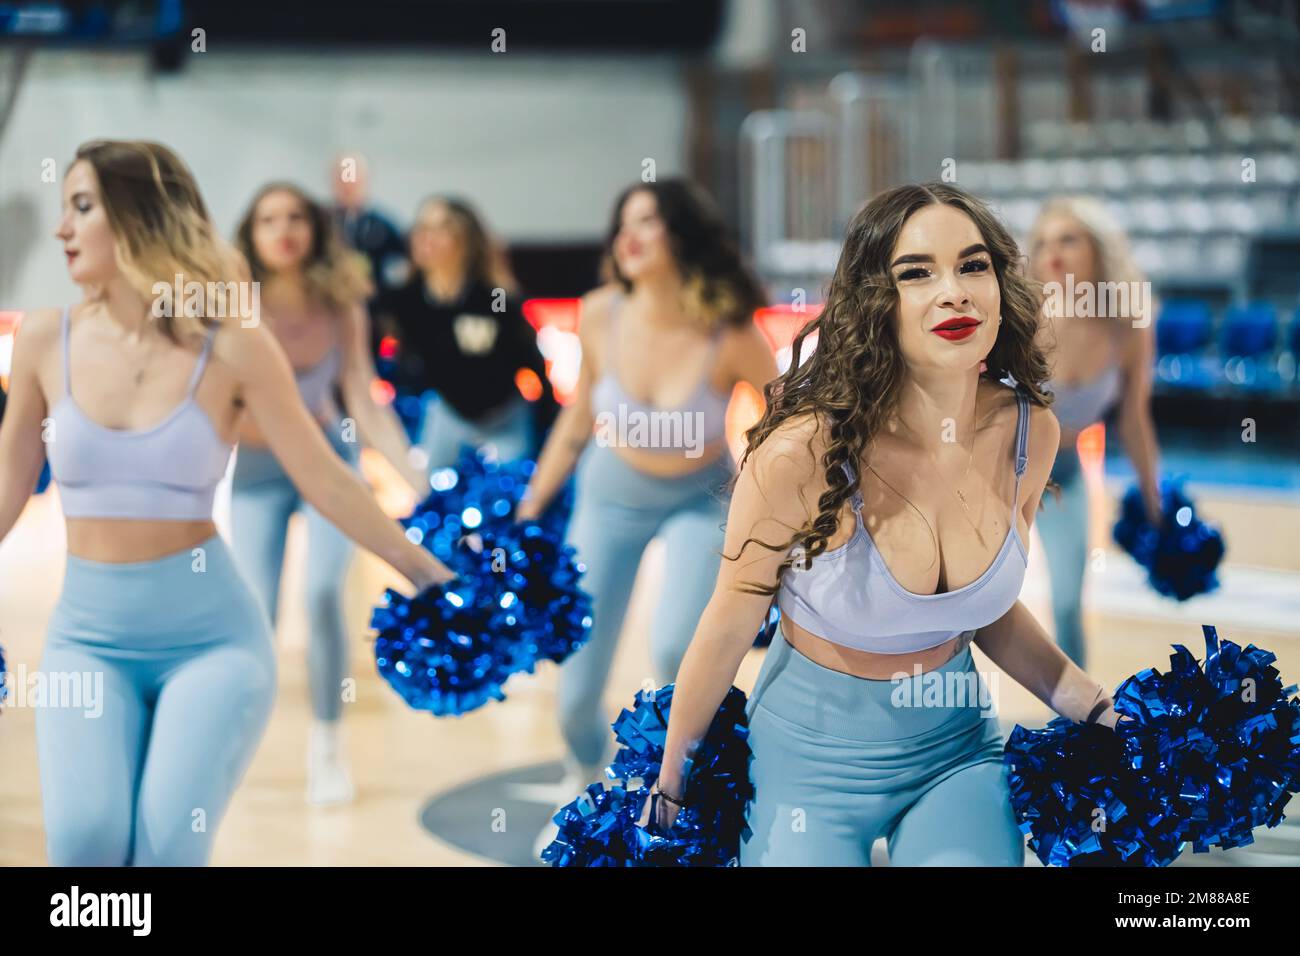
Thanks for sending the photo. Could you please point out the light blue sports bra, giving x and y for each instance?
(1078, 406)
(848, 596)
(701, 419)
(168, 472)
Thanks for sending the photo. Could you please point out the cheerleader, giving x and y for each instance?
(312, 301)
(1099, 361)
(910, 475)
(662, 350)
(464, 340)
(137, 402)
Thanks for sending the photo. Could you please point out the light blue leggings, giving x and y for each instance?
(838, 761)
(262, 501)
(619, 510)
(442, 431)
(1063, 527)
(174, 665)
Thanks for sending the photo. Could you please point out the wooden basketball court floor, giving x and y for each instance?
(402, 760)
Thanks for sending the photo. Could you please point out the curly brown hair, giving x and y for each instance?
(853, 380)
(718, 285)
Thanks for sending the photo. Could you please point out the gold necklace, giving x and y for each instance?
(139, 375)
(934, 462)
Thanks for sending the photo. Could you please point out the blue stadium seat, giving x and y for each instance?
(1246, 345)
(1183, 330)
(1183, 327)
(1250, 330)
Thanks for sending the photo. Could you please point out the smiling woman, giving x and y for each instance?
(927, 383)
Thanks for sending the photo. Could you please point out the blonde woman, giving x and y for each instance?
(140, 409)
(312, 297)
(1099, 336)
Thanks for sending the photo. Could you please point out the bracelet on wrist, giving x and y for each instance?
(1099, 709)
(665, 795)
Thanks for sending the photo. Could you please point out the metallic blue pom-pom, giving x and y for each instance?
(1201, 755)
(452, 647)
(600, 827)
(4, 675)
(477, 495)
(1220, 743)
(1180, 558)
(1072, 794)
(770, 627)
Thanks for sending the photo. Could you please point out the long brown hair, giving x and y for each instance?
(332, 273)
(486, 262)
(161, 226)
(853, 380)
(718, 286)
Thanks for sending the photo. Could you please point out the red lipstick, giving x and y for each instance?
(957, 328)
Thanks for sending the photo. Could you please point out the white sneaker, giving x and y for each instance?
(576, 779)
(328, 780)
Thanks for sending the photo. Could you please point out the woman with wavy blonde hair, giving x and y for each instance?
(137, 407)
(884, 501)
(313, 300)
(662, 348)
(1099, 337)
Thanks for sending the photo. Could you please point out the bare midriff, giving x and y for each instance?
(124, 540)
(663, 464)
(864, 664)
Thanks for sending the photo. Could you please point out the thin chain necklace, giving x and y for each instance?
(934, 462)
(961, 498)
(139, 375)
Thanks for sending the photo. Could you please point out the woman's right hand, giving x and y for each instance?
(429, 571)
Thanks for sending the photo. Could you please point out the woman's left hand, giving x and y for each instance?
(1109, 717)
(667, 811)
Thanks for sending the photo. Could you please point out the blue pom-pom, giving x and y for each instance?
(1182, 557)
(770, 627)
(43, 482)
(4, 677)
(1201, 755)
(600, 828)
(452, 647)
(1072, 795)
(1220, 743)
(478, 495)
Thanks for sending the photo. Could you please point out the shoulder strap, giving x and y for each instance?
(1022, 437)
(67, 362)
(853, 482)
(203, 359)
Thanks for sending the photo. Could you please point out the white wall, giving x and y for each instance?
(542, 145)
